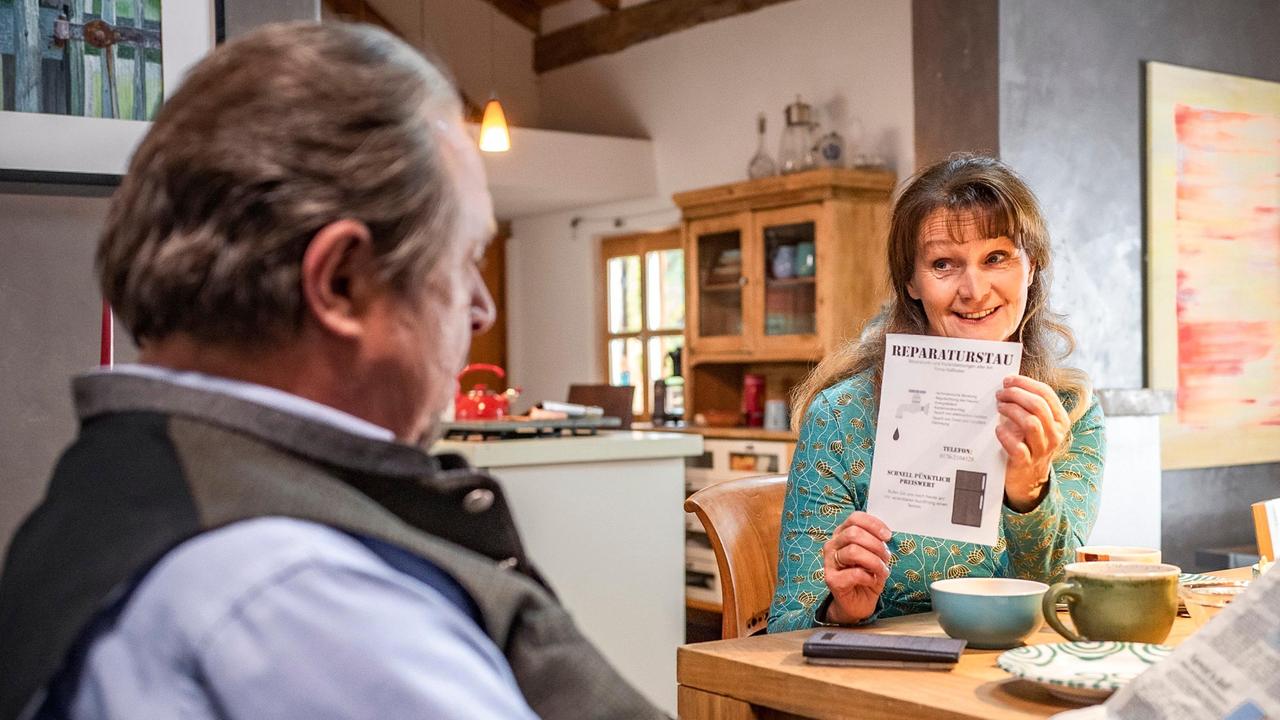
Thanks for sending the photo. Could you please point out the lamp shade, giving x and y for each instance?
(493, 128)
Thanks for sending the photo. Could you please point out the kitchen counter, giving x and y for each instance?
(602, 517)
(607, 446)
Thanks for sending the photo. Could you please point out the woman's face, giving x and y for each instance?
(970, 286)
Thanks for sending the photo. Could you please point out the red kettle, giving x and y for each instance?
(481, 403)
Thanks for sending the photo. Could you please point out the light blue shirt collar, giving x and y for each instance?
(254, 393)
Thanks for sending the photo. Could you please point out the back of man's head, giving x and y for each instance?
(269, 139)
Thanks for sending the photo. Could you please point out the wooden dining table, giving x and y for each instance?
(766, 677)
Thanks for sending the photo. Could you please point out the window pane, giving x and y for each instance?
(624, 294)
(659, 355)
(625, 358)
(665, 294)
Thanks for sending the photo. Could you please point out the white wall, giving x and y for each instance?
(695, 94)
(458, 31)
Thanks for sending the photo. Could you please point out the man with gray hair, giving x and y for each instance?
(246, 525)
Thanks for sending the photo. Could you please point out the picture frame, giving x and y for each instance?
(1213, 264)
(73, 150)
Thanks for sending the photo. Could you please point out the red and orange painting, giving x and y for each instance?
(1214, 272)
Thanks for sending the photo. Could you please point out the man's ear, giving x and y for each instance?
(337, 276)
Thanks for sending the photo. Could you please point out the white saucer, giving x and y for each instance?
(1084, 672)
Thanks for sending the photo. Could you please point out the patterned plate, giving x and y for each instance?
(1082, 671)
(1184, 578)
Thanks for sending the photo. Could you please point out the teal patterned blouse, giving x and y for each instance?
(829, 477)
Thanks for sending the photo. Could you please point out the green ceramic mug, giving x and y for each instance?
(1115, 601)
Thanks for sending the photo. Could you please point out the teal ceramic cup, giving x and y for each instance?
(990, 613)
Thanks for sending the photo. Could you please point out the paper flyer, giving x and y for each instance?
(938, 468)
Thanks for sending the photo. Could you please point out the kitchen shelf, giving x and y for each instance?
(790, 282)
(722, 287)
(736, 433)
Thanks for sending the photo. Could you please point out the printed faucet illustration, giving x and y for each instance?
(912, 407)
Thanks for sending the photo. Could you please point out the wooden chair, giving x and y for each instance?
(615, 399)
(1266, 524)
(743, 518)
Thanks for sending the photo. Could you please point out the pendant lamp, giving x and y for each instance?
(493, 128)
(494, 136)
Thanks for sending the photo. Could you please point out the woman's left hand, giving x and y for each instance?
(1032, 426)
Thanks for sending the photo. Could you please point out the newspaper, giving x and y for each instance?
(938, 468)
(1230, 668)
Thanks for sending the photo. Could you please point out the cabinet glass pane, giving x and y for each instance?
(790, 296)
(626, 356)
(624, 294)
(719, 284)
(665, 293)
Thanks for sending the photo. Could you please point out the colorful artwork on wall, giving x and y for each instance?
(79, 79)
(1213, 264)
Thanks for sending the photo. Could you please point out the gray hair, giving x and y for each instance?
(267, 140)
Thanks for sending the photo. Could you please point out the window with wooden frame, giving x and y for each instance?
(642, 279)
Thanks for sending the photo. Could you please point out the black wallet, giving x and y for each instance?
(846, 647)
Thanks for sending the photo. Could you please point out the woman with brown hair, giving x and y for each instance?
(969, 257)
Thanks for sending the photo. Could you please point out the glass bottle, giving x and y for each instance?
(796, 153)
(673, 403)
(761, 164)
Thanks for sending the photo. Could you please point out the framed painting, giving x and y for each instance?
(81, 79)
(1213, 264)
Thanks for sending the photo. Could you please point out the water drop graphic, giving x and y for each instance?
(895, 433)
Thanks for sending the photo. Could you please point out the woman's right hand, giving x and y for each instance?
(855, 563)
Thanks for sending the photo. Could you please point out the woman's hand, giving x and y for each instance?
(855, 563)
(1032, 426)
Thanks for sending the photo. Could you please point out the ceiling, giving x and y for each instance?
(612, 26)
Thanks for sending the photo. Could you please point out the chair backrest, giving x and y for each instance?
(743, 518)
(1266, 524)
(615, 399)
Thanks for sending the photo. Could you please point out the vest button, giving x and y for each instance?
(478, 500)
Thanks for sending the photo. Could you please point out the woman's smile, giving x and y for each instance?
(977, 316)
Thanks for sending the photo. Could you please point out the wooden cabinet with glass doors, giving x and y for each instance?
(778, 272)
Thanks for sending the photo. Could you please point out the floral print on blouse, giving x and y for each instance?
(829, 476)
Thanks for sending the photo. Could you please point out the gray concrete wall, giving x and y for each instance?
(1071, 109)
(49, 330)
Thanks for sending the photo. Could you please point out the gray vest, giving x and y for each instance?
(156, 464)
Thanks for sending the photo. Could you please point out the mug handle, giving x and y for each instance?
(1070, 592)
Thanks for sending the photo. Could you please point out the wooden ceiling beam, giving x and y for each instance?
(525, 12)
(635, 24)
